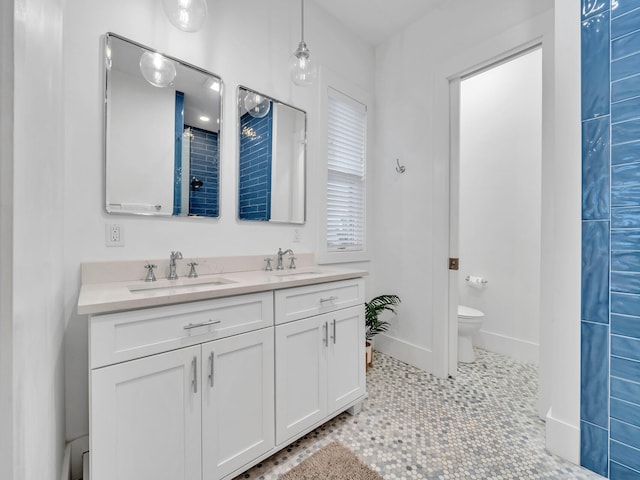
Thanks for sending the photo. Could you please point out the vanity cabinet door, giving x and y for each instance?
(237, 401)
(146, 418)
(346, 379)
(301, 376)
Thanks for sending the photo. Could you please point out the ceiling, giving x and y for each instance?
(378, 20)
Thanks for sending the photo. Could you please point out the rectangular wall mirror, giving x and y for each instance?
(162, 133)
(272, 150)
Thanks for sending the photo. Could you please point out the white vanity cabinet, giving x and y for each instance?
(207, 388)
(320, 359)
(195, 412)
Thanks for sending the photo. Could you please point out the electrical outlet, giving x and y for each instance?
(296, 235)
(114, 235)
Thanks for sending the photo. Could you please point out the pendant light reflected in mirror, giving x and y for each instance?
(187, 15)
(302, 69)
(256, 105)
(157, 69)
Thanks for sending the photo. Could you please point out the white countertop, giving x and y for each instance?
(105, 297)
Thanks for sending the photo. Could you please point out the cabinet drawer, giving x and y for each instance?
(300, 302)
(118, 337)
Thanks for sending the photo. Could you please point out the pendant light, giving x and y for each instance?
(302, 70)
(187, 15)
(157, 69)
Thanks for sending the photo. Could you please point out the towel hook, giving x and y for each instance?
(400, 168)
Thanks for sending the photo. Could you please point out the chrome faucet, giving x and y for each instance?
(280, 255)
(172, 264)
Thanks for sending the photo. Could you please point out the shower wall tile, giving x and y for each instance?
(625, 433)
(591, 7)
(625, 369)
(595, 66)
(625, 304)
(625, 261)
(625, 455)
(627, 152)
(594, 367)
(625, 132)
(625, 67)
(625, 347)
(625, 282)
(618, 472)
(625, 217)
(628, 87)
(595, 169)
(620, 7)
(625, 390)
(625, 196)
(628, 326)
(625, 110)
(595, 271)
(593, 448)
(625, 240)
(626, 411)
(625, 24)
(625, 175)
(626, 45)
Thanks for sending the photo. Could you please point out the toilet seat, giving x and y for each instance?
(468, 312)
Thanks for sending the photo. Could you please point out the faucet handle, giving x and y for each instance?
(268, 267)
(151, 277)
(192, 271)
(292, 262)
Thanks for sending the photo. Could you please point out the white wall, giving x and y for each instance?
(562, 328)
(35, 238)
(500, 203)
(413, 125)
(246, 42)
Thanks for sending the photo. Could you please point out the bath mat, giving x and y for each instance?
(332, 462)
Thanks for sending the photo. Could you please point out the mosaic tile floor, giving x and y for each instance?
(481, 425)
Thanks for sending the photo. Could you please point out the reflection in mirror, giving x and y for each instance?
(272, 141)
(162, 133)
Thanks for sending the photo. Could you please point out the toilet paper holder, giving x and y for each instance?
(483, 281)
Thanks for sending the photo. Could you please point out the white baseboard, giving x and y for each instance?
(563, 439)
(521, 350)
(415, 355)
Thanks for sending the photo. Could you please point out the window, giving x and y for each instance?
(346, 184)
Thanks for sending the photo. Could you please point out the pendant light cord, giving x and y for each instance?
(302, 21)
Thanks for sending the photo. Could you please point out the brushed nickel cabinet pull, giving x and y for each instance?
(203, 324)
(211, 369)
(194, 380)
(334, 331)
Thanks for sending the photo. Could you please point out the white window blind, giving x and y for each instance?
(346, 187)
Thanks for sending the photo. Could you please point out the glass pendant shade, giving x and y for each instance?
(256, 105)
(302, 69)
(156, 69)
(187, 15)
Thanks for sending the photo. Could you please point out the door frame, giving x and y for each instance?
(534, 33)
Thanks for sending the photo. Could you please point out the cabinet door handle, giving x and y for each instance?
(194, 380)
(211, 369)
(203, 324)
(328, 299)
(334, 331)
(326, 334)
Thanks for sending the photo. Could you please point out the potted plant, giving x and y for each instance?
(374, 324)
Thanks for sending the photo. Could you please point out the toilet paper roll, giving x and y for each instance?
(476, 282)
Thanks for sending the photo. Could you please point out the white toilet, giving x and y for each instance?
(469, 323)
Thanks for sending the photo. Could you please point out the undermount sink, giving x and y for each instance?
(296, 273)
(179, 284)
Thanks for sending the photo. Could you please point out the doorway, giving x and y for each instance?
(495, 203)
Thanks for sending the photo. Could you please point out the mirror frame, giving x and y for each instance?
(106, 60)
(304, 151)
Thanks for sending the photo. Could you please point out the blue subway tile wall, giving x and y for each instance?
(177, 154)
(610, 343)
(254, 202)
(204, 166)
